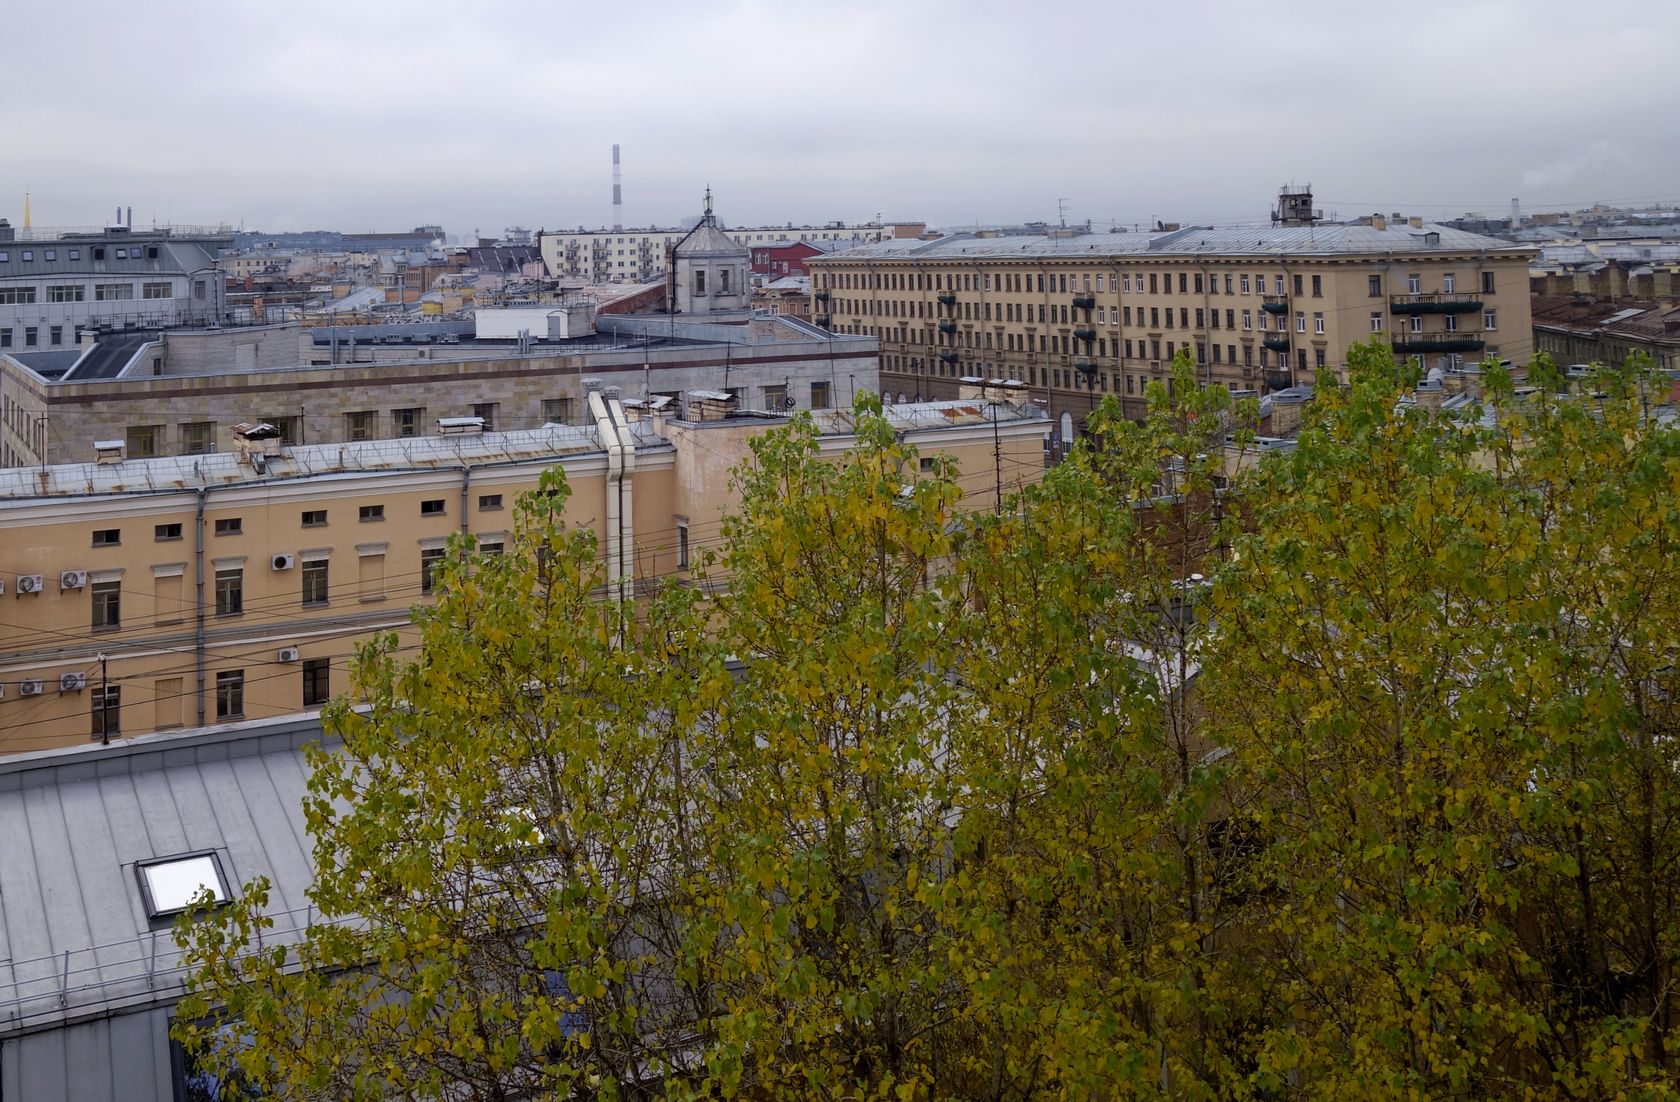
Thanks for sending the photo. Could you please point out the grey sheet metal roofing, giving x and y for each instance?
(76, 941)
(1324, 239)
(189, 472)
(173, 258)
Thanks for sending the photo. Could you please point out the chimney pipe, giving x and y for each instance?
(618, 195)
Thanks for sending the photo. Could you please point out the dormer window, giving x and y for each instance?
(170, 884)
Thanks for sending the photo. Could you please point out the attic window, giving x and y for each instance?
(169, 884)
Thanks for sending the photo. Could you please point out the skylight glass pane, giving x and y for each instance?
(173, 884)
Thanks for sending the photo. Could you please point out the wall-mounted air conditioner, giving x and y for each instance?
(286, 654)
(28, 583)
(72, 682)
(72, 579)
(30, 687)
(284, 562)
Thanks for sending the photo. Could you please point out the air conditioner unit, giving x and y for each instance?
(31, 687)
(284, 562)
(2, 587)
(286, 654)
(72, 579)
(72, 682)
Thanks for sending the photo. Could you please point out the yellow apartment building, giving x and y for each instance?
(146, 594)
(1264, 307)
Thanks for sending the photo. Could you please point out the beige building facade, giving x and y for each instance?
(191, 405)
(146, 595)
(1261, 308)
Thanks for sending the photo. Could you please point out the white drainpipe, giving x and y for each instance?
(613, 428)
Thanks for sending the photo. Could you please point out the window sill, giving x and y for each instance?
(105, 629)
(372, 600)
(317, 604)
(231, 717)
(167, 623)
(229, 615)
(370, 520)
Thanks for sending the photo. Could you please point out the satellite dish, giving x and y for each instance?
(789, 402)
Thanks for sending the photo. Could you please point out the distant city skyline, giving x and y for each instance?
(370, 117)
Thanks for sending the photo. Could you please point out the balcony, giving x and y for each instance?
(1434, 304)
(1084, 302)
(1278, 379)
(1086, 335)
(949, 357)
(947, 300)
(823, 320)
(1087, 369)
(1275, 304)
(1407, 344)
(822, 296)
(947, 327)
(1277, 342)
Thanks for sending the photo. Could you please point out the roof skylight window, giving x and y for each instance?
(170, 884)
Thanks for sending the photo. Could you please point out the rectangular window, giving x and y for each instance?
(1490, 320)
(113, 292)
(1414, 284)
(1318, 323)
(1452, 323)
(359, 425)
(30, 339)
(700, 282)
(1248, 319)
(1416, 323)
(1487, 283)
(163, 532)
(1376, 321)
(105, 705)
(317, 681)
(370, 572)
(1449, 283)
(682, 545)
(487, 412)
(1318, 286)
(371, 512)
(107, 537)
(55, 334)
(230, 526)
(819, 395)
(406, 422)
(141, 441)
(1318, 357)
(198, 437)
(230, 590)
(77, 293)
(107, 605)
(432, 507)
(489, 502)
(1374, 283)
(1277, 283)
(170, 884)
(157, 290)
(314, 575)
(230, 694)
(6, 337)
(314, 518)
(16, 296)
(429, 559)
(1245, 285)
(557, 411)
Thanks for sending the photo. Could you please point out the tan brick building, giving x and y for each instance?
(1261, 307)
(143, 595)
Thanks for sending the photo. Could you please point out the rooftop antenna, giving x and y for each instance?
(1061, 211)
(618, 195)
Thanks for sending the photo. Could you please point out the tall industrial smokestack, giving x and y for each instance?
(618, 195)
(1516, 215)
(130, 220)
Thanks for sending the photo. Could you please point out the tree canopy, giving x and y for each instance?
(1346, 770)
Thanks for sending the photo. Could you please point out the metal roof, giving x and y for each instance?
(174, 258)
(76, 940)
(1323, 239)
(189, 472)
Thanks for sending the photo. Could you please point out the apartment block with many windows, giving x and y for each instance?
(234, 585)
(1260, 308)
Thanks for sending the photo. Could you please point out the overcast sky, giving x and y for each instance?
(360, 114)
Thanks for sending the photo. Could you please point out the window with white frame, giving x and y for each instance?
(1490, 319)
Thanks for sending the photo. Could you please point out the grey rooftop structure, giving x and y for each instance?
(1322, 239)
(88, 973)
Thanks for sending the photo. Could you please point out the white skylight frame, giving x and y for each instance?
(169, 884)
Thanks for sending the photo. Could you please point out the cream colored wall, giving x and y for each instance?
(906, 320)
(49, 633)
